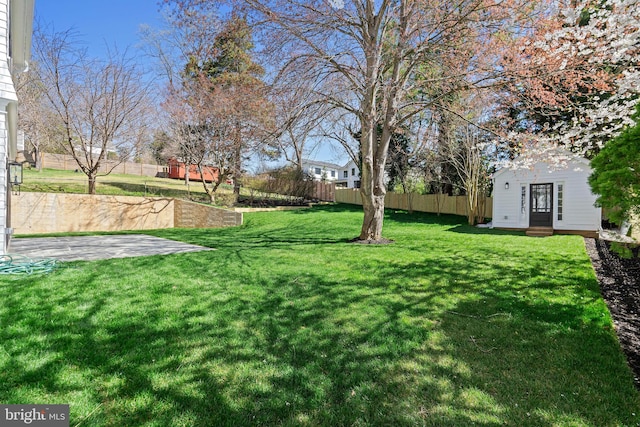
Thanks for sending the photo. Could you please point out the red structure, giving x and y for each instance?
(177, 171)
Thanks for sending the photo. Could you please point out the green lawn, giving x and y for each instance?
(61, 181)
(288, 324)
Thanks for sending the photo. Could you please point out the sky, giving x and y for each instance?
(101, 23)
(116, 23)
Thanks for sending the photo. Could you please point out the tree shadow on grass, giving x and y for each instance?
(468, 229)
(440, 341)
(296, 231)
(404, 217)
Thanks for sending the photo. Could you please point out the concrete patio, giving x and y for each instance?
(89, 248)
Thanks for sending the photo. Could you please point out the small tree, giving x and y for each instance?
(159, 144)
(470, 162)
(100, 105)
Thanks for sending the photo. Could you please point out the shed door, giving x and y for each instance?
(541, 214)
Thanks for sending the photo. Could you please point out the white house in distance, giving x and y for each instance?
(16, 26)
(543, 199)
(320, 171)
(347, 176)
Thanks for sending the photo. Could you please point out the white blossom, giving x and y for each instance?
(611, 38)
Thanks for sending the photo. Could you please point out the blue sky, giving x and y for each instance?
(101, 22)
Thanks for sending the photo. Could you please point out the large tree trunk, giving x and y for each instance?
(373, 192)
(37, 157)
(372, 186)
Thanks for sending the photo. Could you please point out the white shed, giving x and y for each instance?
(543, 199)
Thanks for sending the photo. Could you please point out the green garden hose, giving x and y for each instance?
(20, 264)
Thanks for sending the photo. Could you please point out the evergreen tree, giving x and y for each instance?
(225, 89)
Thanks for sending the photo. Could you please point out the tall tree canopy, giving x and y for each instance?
(576, 79)
(219, 110)
(375, 54)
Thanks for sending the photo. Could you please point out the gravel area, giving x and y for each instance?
(620, 287)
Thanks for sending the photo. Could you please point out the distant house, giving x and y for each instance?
(177, 170)
(347, 176)
(16, 25)
(320, 171)
(544, 200)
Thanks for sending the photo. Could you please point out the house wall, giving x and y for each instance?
(578, 203)
(7, 95)
(7, 91)
(327, 172)
(4, 186)
(351, 178)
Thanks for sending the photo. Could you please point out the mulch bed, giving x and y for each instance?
(256, 202)
(620, 287)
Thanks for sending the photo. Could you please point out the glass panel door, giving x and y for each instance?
(541, 205)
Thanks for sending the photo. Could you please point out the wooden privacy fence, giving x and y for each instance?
(434, 203)
(324, 191)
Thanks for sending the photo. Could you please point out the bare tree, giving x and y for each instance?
(467, 152)
(203, 132)
(373, 52)
(101, 105)
(38, 120)
(299, 112)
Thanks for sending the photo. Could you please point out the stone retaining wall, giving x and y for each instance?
(35, 213)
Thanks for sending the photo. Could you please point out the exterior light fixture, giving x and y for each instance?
(506, 185)
(15, 176)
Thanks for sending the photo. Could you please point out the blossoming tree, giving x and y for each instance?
(577, 77)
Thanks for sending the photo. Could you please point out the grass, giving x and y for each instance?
(288, 324)
(61, 181)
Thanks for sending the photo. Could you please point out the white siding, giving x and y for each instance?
(7, 91)
(7, 94)
(579, 210)
(3, 182)
(321, 171)
(352, 177)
